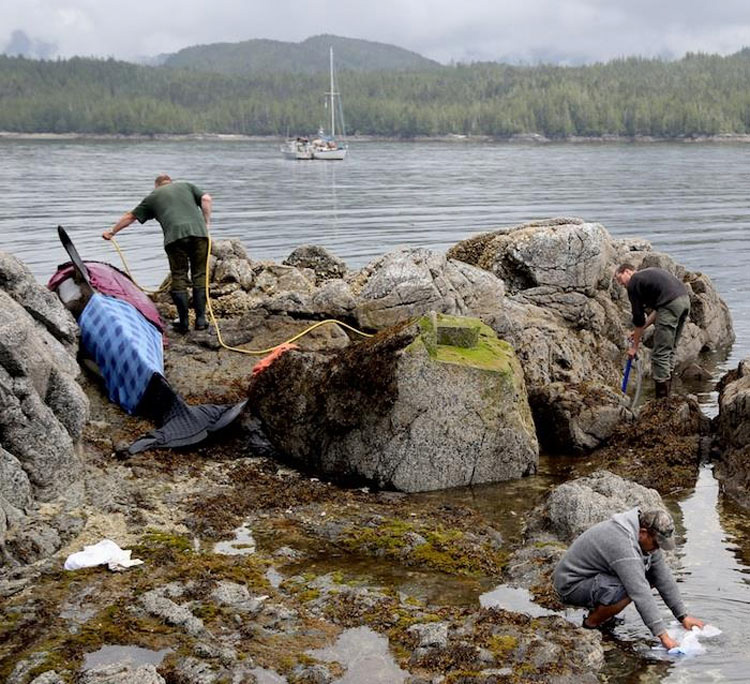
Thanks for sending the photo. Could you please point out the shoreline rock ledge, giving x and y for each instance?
(434, 404)
(43, 411)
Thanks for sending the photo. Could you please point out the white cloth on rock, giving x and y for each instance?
(106, 552)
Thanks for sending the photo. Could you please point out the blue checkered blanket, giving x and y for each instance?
(126, 347)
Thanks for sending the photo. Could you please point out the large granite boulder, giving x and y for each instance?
(539, 264)
(434, 404)
(409, 282)
(568, 321)
(326, 266)
(42, 305)
(42, 407)
(733, 433)
(577, 418)
(575, 506)
(565, 254)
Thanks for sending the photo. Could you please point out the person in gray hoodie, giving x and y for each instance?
(618, 561)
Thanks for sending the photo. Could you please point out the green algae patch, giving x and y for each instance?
(413, 544)
(115, 624)
(502, 645)
(160, 548)
(489, 353)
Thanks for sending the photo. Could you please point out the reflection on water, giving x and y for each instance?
(515, 599)
(713, 585)
(135, 655)
(365, 655)
(715, 588)
(243, 543)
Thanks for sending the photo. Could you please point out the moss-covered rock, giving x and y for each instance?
(402, 410)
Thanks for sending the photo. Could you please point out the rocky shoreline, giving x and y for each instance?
(273, 550)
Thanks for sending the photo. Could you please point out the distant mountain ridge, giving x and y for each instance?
(308, 57)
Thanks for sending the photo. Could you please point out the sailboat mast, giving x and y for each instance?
(332, 94)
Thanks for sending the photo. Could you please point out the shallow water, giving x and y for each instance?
(714, 586)
(111, 654)
(243, 543)
(366, 657)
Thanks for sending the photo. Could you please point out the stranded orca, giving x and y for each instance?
(121, 332)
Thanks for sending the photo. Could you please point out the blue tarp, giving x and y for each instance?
(125, 346)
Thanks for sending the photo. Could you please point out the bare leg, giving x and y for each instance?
(603, 613)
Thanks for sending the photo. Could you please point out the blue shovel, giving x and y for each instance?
(627, 374)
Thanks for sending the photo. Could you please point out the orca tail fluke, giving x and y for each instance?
(180, 425)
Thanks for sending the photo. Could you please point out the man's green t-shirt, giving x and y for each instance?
(176, 206)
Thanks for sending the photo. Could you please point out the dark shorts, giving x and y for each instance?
(600, 590)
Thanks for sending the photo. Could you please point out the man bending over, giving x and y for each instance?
(618, 561)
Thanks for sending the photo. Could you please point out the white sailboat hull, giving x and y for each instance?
(324, 147)
(330, 155)
(294, 149)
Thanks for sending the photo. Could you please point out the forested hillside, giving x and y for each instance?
(308, 57)
(698, 95)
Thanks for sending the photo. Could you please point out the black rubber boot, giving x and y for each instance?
(662, 389)
(199, 306)
(180, 299)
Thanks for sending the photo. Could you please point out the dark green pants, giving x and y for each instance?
(670, 320)
(188, 254)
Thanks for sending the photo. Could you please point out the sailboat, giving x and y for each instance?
(323, 146)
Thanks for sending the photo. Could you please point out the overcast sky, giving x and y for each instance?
(566, 31)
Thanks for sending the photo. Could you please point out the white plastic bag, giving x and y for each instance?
(106, 552)
(689, 644)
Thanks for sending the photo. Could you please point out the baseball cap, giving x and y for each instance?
(660, 524)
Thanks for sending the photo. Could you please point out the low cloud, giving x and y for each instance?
(562, 31)
(20, 45)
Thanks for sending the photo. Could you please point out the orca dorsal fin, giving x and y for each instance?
(75, 257)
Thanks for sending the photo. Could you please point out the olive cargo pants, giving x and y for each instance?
(188, 253)
(670, 320)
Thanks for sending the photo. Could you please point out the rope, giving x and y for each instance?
(240, 350)
(163, 288)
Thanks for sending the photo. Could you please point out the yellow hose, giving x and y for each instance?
(163, 288)
(255, 352)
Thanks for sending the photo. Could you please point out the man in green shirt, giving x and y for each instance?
(184, 213)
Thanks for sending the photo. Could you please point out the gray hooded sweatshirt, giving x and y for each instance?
(611, 547)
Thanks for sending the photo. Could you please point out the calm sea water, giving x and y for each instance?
(688, 200)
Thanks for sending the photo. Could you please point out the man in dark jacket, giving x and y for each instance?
(668, 301)
(184, 213)
(618, 561)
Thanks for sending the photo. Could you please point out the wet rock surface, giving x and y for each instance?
(568, 321)
(663, 447)
(221, 616)
(407, 412)
(578, 417)
(733, 433)
(42, 413)
(332, 568)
